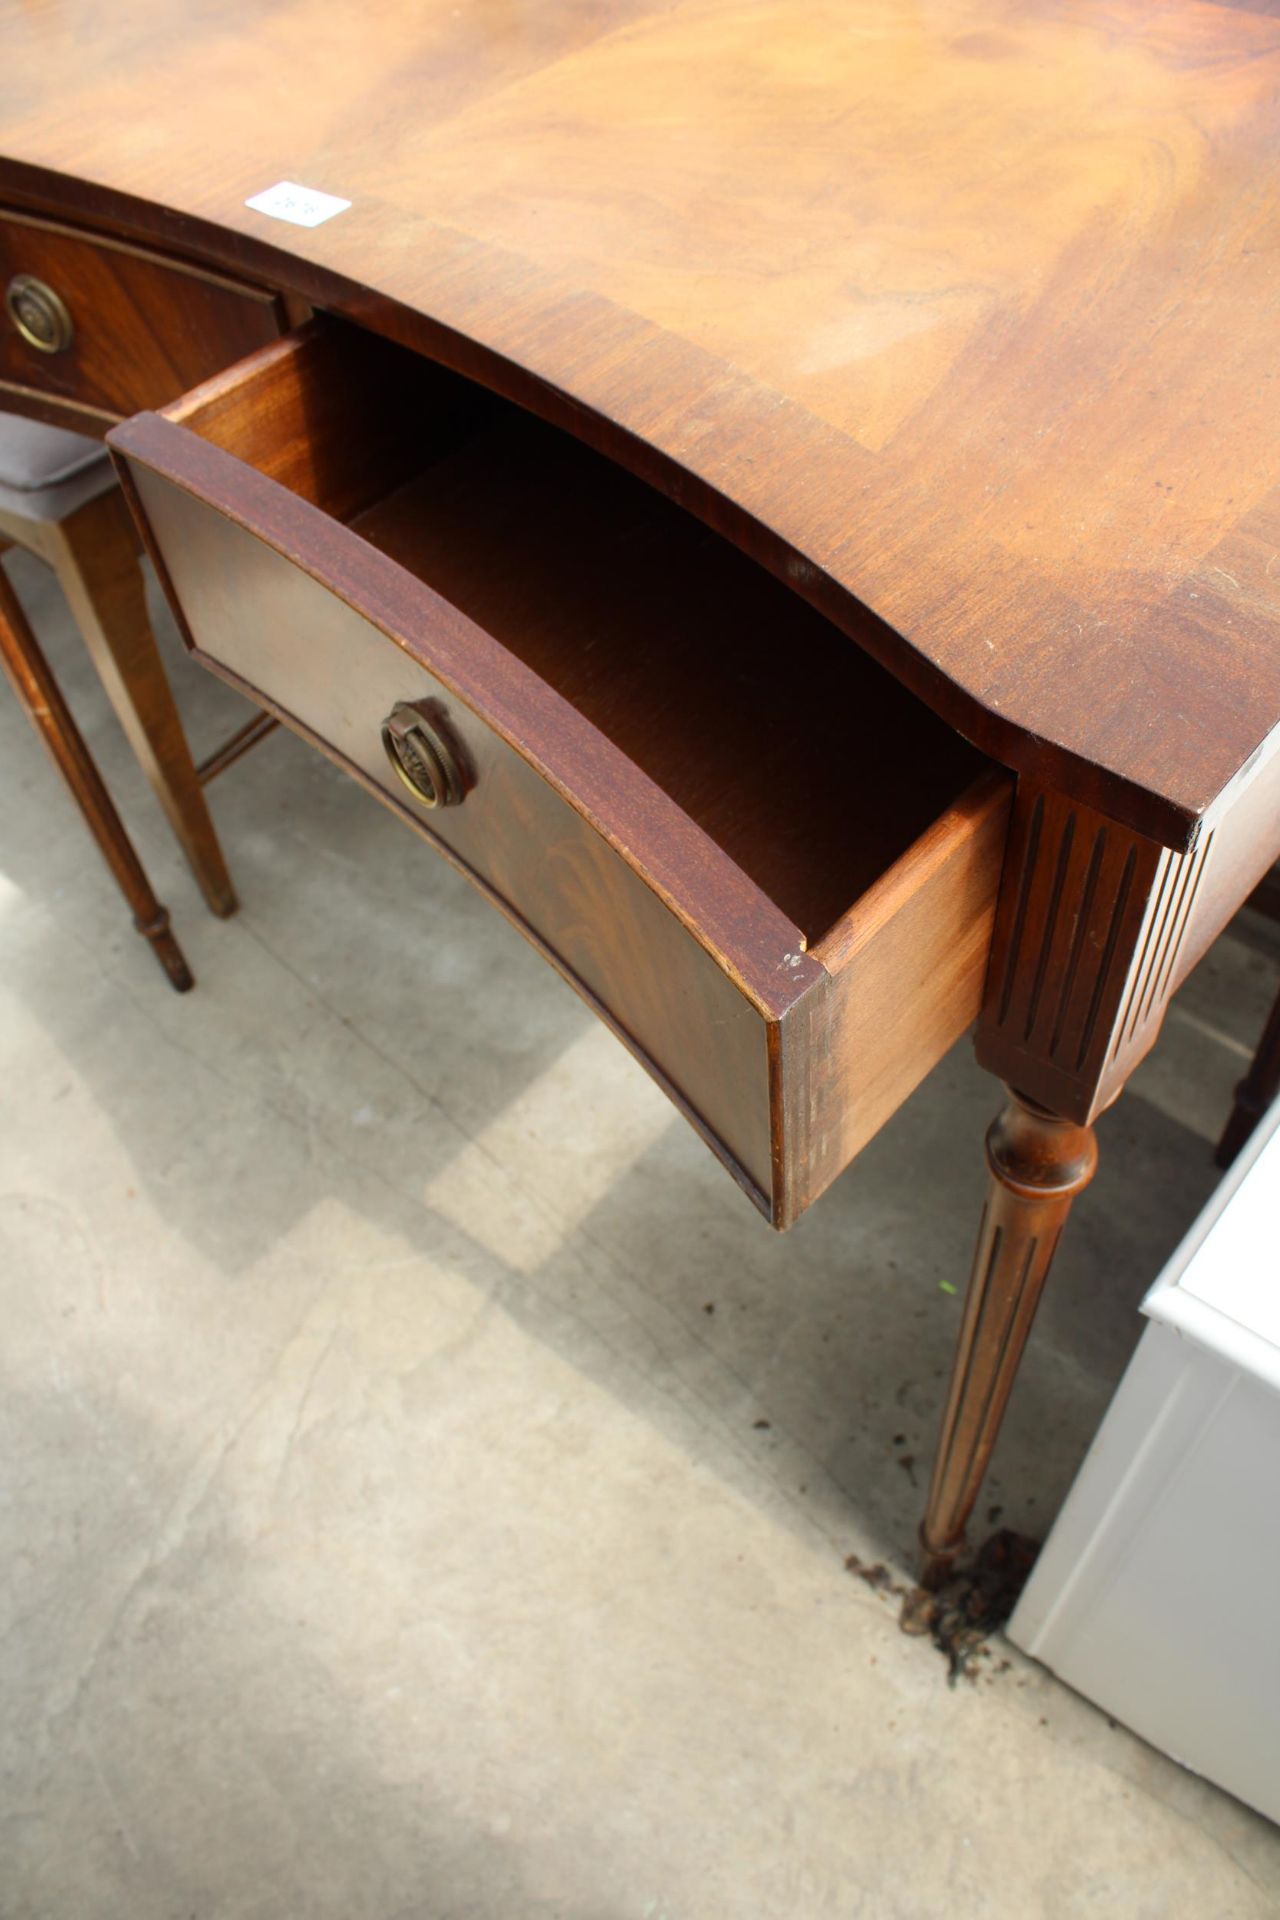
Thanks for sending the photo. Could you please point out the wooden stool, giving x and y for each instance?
(59, 500)
(42, 701)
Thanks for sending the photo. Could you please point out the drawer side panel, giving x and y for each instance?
(906, 969)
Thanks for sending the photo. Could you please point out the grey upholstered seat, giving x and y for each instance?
(46, 472)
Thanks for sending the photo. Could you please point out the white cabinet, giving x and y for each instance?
(1157, 1594)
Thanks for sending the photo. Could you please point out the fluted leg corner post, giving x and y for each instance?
(1038, 1164)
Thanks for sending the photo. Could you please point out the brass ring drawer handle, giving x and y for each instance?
(39, 314)
(423, 757)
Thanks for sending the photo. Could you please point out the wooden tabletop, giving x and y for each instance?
(965, 311)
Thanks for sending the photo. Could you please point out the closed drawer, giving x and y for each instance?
(112, 327)
(766, 865)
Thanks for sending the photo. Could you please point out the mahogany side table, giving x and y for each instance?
(787, 499)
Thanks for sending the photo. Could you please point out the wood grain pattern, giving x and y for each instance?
(94, 551)
(1076, 895)
(958, 314)
(908, 963)
(333, 676)
(1088, 917)
(41, 699)
(333, 414)
(654, 631)
(605, 672)
(1095, 930)
(956, 319)
(146, 328)
(1037, 1164)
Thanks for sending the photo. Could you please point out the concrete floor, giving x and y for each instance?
(426, 1484)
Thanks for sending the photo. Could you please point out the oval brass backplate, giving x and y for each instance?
(425, 760)
(39, 314)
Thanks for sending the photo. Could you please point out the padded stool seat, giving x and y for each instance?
(59, 500)
(35, 459)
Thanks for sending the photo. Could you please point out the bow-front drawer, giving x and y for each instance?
(765, 864)
(93, 329)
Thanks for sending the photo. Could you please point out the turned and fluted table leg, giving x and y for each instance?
(1038, 1164)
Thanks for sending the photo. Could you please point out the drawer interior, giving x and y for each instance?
(806, 763)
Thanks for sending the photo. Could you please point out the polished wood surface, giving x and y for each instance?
(907, 962)
(1096, 929)
(735, 698)
(41, 699)
(955, 319)
(1037, 1164)
(143, 328)
(961, 314)
(94, 550)
(654, 736)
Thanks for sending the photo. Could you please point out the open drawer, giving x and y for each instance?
(765, 864)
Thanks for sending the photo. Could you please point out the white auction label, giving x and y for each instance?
(302, 206)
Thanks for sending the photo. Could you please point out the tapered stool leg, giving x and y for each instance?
(41, 699)
(95, 555)
(1038, 1164)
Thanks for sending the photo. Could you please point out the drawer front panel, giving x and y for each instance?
(335, 676)
(141, 329)
(331, 521)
